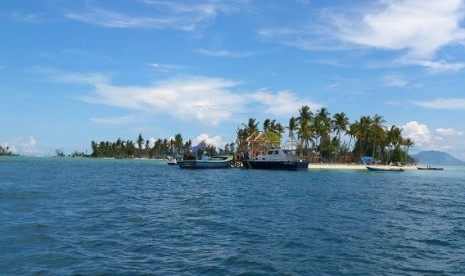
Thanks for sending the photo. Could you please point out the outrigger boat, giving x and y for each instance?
(215, 162)
(190, 161)
(384, 169)
(429, 168)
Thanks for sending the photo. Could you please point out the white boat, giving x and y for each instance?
(276, 159)
(172, 161)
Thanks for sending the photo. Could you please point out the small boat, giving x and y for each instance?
(384, 169)
(171, 160)
(214, 162)
(276, 159)
(429, 168)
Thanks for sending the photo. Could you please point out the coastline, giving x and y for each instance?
(335, 166)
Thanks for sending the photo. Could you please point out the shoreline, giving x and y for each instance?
(333, 166)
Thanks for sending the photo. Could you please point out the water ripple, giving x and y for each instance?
(74, 216)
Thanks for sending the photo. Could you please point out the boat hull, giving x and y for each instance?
(276, 165)
(205, 164)
(430, 168)
(384, 169)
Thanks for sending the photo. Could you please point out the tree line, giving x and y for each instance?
(317, 136)
(162, 148)
(321, 137)
(5, 151)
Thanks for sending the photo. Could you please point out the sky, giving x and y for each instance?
(72, 72)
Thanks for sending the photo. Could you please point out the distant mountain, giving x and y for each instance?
(437, 158)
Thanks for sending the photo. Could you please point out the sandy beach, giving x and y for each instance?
(333, 166)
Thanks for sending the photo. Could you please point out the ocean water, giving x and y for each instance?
(89, 216)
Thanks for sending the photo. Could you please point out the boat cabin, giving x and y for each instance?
(276, 155)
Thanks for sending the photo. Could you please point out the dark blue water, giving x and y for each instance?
(79, 216)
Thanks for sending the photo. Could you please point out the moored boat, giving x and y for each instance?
(215, 162)
(276, 159)
(384, 169)
(171, 160)
(429, 168)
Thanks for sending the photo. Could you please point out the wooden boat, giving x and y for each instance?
(215, 162)
(430, 168)
(276, 159)
(384, 169)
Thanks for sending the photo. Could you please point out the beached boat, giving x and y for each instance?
(384, 169)
(276, 159)
(429, 168)
(215, 162)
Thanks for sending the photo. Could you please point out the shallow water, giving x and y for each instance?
(89, 216)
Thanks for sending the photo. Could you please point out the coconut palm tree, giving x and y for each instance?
(251, 127)
(377, 130)
(178, 143)
(322, 128)
(362, 129)
(340, 123)
(408, 143)
(304, 129)
(266, 125)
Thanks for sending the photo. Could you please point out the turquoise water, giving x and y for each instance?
(80, 216)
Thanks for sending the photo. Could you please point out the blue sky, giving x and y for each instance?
(76, 71)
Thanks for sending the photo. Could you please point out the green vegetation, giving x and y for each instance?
(141, 148)
(5, 151)
(318, 136)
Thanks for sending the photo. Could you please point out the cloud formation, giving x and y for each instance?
(183, 16)
(416, 30)
(419, 27)
(442, 139)
(23, 146)
(443, 103)
(209, 101)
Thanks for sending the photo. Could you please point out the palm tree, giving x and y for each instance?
(361, 129)
(408, 143)
(178, 143)
(322, 128)
(377, 130)
(292, 126)
(266, 125)
(304, 130)
(394, 139)
(251, 127)
(340, 123)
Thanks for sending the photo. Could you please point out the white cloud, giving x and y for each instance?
(395, 80)
(419, 133)
(442, 139)
(23, 146)
(221, 53)
(165, 67)
(448, 132)
(280, 103)
(124, 120)
(207, 100)
(435, 66)
(443, 103)
(417, 26)
(216, 141)
(161, 15)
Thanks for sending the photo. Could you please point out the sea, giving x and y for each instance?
(132, 217)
